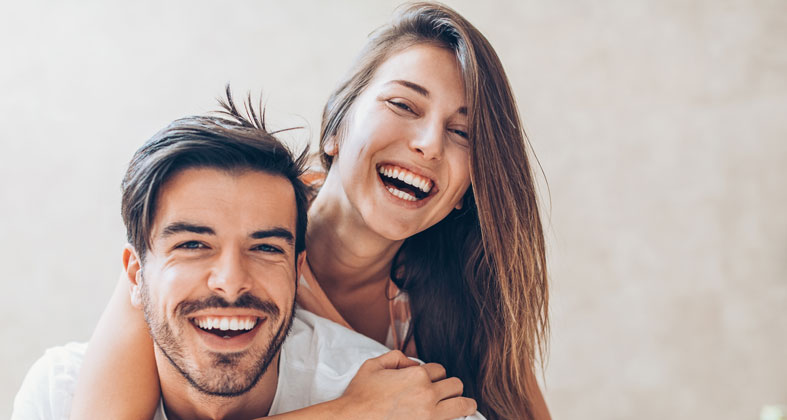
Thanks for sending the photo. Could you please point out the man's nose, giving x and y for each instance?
(230, 278)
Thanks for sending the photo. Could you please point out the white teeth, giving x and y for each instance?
(226, 323)
(401, 194)
(423, 186)
(416, 181)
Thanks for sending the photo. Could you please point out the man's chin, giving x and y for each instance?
(236, 373)
(228, 377)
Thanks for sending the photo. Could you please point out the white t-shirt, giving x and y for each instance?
(318, 360)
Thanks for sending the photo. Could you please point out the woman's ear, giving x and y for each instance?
(460, 203)
(133, 272)
(331, 146)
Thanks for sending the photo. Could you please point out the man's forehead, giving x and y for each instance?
(242, 201)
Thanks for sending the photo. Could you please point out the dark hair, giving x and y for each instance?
(228, 141)
(477, 280)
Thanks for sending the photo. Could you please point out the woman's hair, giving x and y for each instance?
(477, 280)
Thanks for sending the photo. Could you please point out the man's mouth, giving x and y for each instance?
(404, 184)
(226, 326)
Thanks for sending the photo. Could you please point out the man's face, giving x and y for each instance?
(218, 284)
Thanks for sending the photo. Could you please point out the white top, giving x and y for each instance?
(318, 360)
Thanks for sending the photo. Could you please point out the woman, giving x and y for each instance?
(425, 234)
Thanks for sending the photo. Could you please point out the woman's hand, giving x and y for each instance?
(393, 386)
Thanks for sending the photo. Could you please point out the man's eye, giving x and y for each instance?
(191, 245)
(268, 248)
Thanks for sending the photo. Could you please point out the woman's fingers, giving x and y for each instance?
(394, 359)
(435, 371)
(392, 386)
(448, 388)
(455, 407)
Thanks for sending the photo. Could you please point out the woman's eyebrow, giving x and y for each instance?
(421, 91)
(414, 86)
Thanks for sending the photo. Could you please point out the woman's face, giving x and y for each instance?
(403, 156)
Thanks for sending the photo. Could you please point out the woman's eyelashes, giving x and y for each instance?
(401, 106)
(459, 132)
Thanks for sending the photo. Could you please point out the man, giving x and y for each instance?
(216, 217)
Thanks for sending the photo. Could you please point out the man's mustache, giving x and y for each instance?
(246, 300)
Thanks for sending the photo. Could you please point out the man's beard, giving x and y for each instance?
(225, 378)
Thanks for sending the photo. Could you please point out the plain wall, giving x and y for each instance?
(660, 127)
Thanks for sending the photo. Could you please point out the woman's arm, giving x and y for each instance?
(118, 379)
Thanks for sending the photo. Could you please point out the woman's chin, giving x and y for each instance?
(392, 229)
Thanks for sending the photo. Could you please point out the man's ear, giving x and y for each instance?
(133, 271)
(331, 146)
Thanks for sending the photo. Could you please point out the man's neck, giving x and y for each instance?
(183, 401)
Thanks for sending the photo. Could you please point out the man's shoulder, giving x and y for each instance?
(316, 342)
(48, 387)
(319, 358)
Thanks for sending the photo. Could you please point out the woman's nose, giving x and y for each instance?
(428, 141)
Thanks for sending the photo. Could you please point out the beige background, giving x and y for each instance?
(659, 125)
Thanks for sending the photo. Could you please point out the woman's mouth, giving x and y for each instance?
(404, 184)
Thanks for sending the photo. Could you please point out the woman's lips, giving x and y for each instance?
(405, 184)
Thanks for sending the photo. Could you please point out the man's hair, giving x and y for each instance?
(229, 141)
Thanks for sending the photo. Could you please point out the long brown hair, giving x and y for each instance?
(477, 280)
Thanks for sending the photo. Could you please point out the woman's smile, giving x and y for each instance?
(403, 157)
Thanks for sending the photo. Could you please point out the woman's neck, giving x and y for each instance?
(343, 253)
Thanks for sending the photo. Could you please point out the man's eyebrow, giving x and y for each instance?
(180, 227)
(414, 86)
(277, 232)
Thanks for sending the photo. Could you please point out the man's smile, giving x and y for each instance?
(227, 333)
(225, 325)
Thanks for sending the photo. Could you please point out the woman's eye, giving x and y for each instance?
(191, 245)
(461, 133)
(401, 105)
